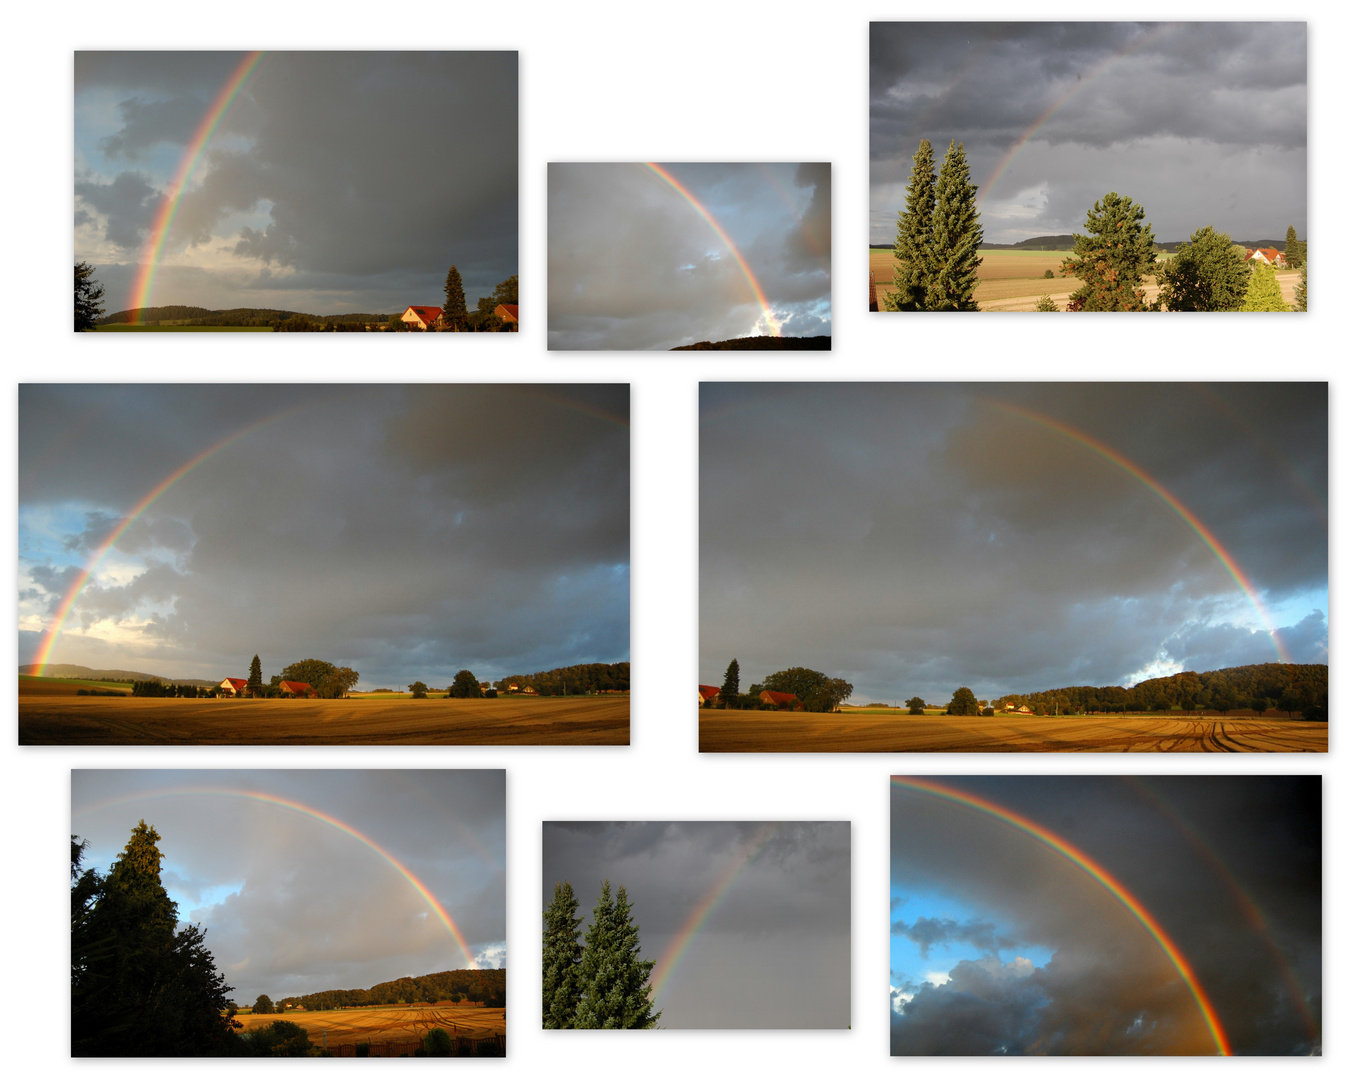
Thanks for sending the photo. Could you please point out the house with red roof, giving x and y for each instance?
(509, 314)
(232, 688)
(707, 694)
(290, 688)
(1266, 255)
(423, 318)
(778, 699)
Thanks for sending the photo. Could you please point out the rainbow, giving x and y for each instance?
(675, 951)
(1063, 99)
(317, 815)
(44, 653)
(1119, 460)
(173, 194)
(774, 328)
(1095, 870)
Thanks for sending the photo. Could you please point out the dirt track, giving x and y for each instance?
(64, 719)
(720, 732)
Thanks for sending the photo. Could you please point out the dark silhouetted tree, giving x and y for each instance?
(255, 675)
(263, 1005)
(1113, 258)
(916, 706)
(454, 312)
(88, 293)
(465, 685)
(731, 684)
(816, 691)
(419, 689)
(963, 703)
(615, 987)
(1206, 274)
(562, 958)
(438, 1043)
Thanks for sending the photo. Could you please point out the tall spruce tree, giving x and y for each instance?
(1293, 248)
(562, 959)
(1113, 258)
(454, 313)
(731, 684)
(88, 293)
(913, 234)
(954, 249)
(255, 675)
(615, 987)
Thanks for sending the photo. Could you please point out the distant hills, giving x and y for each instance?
(79, 671)
(763, 342)
(1064, 242)
(186, 315)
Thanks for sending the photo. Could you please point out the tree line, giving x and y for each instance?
(814, 691)
(487, 986)
(574, 679)
(601, 981)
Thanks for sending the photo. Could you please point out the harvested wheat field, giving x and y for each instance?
(47, 717)
(720, 732)
(405, 1026)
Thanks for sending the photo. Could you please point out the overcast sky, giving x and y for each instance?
(633, 264)
(999, 944)
(404, 531)
(1200, 123)
(915, 538)
(294, 905)
(772, 950)
(336, 182)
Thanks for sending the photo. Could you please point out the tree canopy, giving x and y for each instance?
(1112, 259)
(465, 685)
(963, 703)
(916, 706)
(88, 293)
(816, 691)
(1206, 274)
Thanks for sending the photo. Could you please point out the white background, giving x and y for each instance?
(710, 81)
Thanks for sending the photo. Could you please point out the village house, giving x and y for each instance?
(232, 688)
(292, 689)
(510, 314)
(1266, 255)
(778, 699)
(707, 694)
(422, 318)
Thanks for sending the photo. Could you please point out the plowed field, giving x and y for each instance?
(389, 1022)
(722, 732)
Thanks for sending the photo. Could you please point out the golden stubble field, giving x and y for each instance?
(1015, 280)
(388, 1022)
(53, 714)
(897, 732)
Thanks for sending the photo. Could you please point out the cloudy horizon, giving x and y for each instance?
(913, 538)
(407, 532)
(656, 256)
(292, 873)
(1199, 123)
(748, 921)
(304, 198)
(1004, 944)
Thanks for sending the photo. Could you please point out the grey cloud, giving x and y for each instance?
(127, 202)
(926, 933)
(148, 123)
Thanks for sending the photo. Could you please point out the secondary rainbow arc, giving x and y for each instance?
(1094, 869)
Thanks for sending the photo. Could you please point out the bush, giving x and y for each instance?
(438, 1043)
(1049, 274)
(1046, 304)
(988, 711)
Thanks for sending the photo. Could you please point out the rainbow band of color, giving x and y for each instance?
(774, 328)
(1119, 460)
(327, 819)
(44, 653)
(173, 195)
(1095, 870)
(675, 951)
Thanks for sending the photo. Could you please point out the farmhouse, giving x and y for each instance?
(1266, 255)
(778, 699)
(232, 688)
(510, 314)
(293, 689)
(424, 318)
(707, 694)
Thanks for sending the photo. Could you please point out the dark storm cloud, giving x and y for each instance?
(926, 933)
(1201, 854)
(774, 950)
(1217, 110)
(632, 265)
(917, 538)
(127, 202)
(293, 155)
(404, 531)
(292, 905)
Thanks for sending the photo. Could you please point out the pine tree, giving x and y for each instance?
(1263, 292)
(615, 987)
(1293, 249)
(255, 676)
(731, 684)
(1111, 262)
(454, 313)
(88, 293)
(562, 959)
(957, 235)
(1046, 304)
(913, 234)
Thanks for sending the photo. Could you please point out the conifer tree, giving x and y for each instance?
(1263, 292)
(255, 676)
(1111, 262)
(562, 958)
(615, 987)
(731, 684)
(454, 313)
(913, 233)
(957, 236)
(88, 293)
(1206, 274)
(1293, 248)
(1301, 291)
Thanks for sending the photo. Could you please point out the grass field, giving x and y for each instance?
(1015, 280)
(381, 1022)
(128, 328)
(895, 731)
(50, 713)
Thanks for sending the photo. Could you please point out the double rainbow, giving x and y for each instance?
(1095, 870)
(173, 194)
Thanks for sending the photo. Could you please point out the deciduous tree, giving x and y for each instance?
(263, 1005)
(310, 671)
(88, 293)
(1113, 258)
(562, 958)
(816, 691)
(465, 685)
(963, 703)
(1206, 274)
(615, 980)
(916, 706)
(419, 689)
